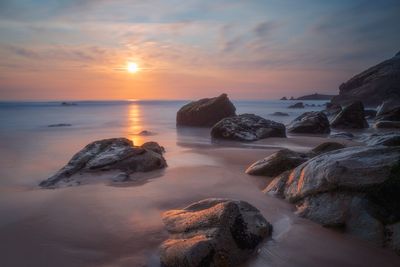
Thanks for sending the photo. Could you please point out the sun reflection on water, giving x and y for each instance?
(135, 124)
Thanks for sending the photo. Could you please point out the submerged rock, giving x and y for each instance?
(280, 114)
(247, 127)
(297, 105)
(351, 116)
(310, 122)
(206, 111)
(108, 154)
(355, 188)
(59, 125)
(277, 163)
(213, 232)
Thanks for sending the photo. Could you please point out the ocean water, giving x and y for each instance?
(32, 150)
(101, 224)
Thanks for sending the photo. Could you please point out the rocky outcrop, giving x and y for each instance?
(277, 163)
(312, 122)
(389, 115)
(205, 112)
(332, 109)
(212, 232)
(297, 105)
(109, 154)
(247, 127)
(351, 117)
(286, 159)
(376, 84)
(384, 139)
(316, 96)
(387, 125)
(284, 98)
(351, 188)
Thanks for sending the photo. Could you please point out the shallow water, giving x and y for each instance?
(103, 225)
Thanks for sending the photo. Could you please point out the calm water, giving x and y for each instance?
(31, 150)
(103, 225)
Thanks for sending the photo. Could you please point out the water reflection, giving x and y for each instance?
(135, 124)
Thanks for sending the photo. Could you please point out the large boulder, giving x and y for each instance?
(351, 116)
(212, 232)
(389, 115)
(277, 163)
(355, 188)
(109, 154)
(205, 112)
(312, 122)
(247, 127)
(374, 85)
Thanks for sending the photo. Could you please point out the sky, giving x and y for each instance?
(79, 49)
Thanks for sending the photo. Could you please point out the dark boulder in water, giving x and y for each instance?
(280, 114)
(247, 127)
(312, 122)
(297, 105)
(59, 125)
(351, 117)
(105, 155)
(205, 112)
(213, 232)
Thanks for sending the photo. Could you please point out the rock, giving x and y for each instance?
(344, 135)
(332, 109)
(212, 232)
(59, 125)
(145, 133)
(206, 111)
(277, 185)
(107, 154)
(393, 233)
(385, 139)
(280, 114)
(154, 146)
(121, 177)
(355, 188)
(370, 113)
(68, 104)
(310, 122)
(352, 116)
(277, 163)
(286, 159)
(326, 147)
(292, 98)
(387, 106)
(316, 97)
(247, 127)
(387, 124)
(283, 98)
(297, 105)
(391, 115)
(376, 84)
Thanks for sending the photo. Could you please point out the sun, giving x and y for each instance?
(132, 67)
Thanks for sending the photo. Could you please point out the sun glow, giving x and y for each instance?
(132, 67)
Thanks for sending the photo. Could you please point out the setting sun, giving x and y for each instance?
(132, 67)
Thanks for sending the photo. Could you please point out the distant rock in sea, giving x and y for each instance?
(316, 97)
(205, 112)
(247, 127)
(68, 104)
(283, 98)
(374, 85)
(297, 105)
(108, 154)
(59, 125)
(280, 114)
(213, 232)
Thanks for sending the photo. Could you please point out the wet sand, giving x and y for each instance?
(102, 225)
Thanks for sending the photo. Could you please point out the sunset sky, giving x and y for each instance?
(79, 49)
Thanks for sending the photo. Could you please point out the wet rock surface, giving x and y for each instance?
(385, 139)
(205, 112)
(212, 232)
(247, 127)
(351, 117)
(353, 188)
(312, 122)
(105, 155)
(387, 125)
